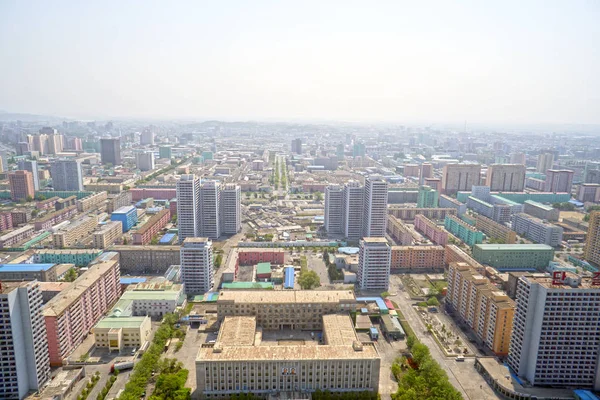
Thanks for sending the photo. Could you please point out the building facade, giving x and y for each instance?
(374, 260)
(152, 227)
(506, 177)
(545, 162)
(409, 213)
(494, 230)
(21, 185)
(188, 206)
(462, 230)
(110, 151)
(417, 258)
(399, 231)
(74, 232)
(428, 197)
(231, 211)
(592, 241)
(430, 229)
(197, 269)
(537, 230)
(540, 210)
(514, 256)
(334, 216)
(375, 207)
(559, 181)
(67, 175)
(107, 234)
(460, 177)
(147, 259)
(127, 215)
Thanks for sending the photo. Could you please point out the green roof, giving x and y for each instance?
(150, 295)
(514, 247)
(248, 285)
(263, 268)
(539, 205)
(120, 322)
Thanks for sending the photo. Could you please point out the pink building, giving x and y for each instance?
(48, 204)
(138, 194)
(53, 218)
(158, 221)
(436, 234)
(71, 315)
(173, 207)
(5, 221)
(251, 256)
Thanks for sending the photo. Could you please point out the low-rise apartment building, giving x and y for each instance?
(409, 213)
(155, 259)
(49, 220)
(151, 228)
(399, 231)
(453, 253)
(541, 211)
(430, 229)
(114, 202)
(20, 216)
(537, 230)
(28, 272)
(252, 256)
(462, 230)
(107, 234)
(6, 221)
(138, 194)
(449, 202)
(48, 204)
(494, 230)
(16, 236)
(417, 258)
(514, 256)
(91, 201)
(73, 312)
(72, 233)
(79, 257)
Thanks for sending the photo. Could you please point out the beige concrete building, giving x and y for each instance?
(90, 202)
(409, 213)
(460, 177)
(157, 259)
(107, 235)
(241, 359)
(116, 332)
(506, 177)
(399, 231)
(70, 234)
(495, 230)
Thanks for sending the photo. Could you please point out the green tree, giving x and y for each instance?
(308, 279)
(34, 213)
(28, 199)
(70, 275)
(218, 260)
(433, 302)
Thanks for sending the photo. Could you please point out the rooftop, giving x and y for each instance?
(539, 205)
(7, 287)
(375, 240)
(338, 329)
(120, 322)
(288, 296)
(25, 267)
(124, 210)
(513, 247)
(238, 331)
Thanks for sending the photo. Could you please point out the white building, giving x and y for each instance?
(537, 230)
(188, 206)
(145, 161)
(231, 211)
(556, 331)
(375, 207)
(197, 272)
(334, 217)
(353, 210)
(210, 207)
(24, 357)
(374, 260)
(66, 175)
(147, 137)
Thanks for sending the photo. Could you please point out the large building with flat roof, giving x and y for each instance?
(116, 332)
(514, 256)
(28, 272)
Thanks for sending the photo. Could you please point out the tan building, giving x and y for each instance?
(244, 359)
(460, 177)
(487, 310)
(72, 233)
(156, 259)
(453, 253)
(409, 213)
(592, 243)
(91, 201)
(495, 230)
(107, 234)
(117, 333)
(21, 185)
(415, 258)
(506, 177)
(399, 231)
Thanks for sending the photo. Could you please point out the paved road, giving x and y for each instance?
(462, 375)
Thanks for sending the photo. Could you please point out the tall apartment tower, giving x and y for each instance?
(297, 146)
(375, 207)
(147, 137)
(40, 143)
(31, 166)
(231, 212)
(188, 206)
(427, 197)
(506, 177)
(334, 216)
(353, 208)
(210, 207)
(24, 356)
(197, 271)
(545, 162)
(556, 331)
(110, 151)
(592, 241)
(21, 185)
(145, 161)
(559, 181)
(374, 260)
(518, 158)
(425, 171)
(460, 177)
(67, 175)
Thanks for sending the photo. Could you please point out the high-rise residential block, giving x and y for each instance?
(24, 359)
(375, 207)
(210, 207)
(427, 198)
(334, 216)
(506, 177)
(556, 331)
(165, 152)
(374, 260)
(589, 192)
(110, 151)
(197, 269)
(145, 161)
(518, 158)
(31, 166)
(434, 183)
(545, 162)
(231, 212)
(67, 175)
(297, 146)
(425, 171)
(460, 177)
(147, 137)
(353, 209)
(592, 241)
(537, 230)
(21, 185)
(559, 181)
(188, 206)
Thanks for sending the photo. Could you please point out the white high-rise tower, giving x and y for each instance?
(353, 210)
(334, 215)
(188, 206)
(231, 212)
(374, 260)
(210, 207)
(375, 207)
(197, 270)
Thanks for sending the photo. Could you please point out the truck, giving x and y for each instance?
(121, 366)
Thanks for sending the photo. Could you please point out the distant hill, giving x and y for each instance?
(9, 116)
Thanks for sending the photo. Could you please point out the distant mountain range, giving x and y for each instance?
(10, 116)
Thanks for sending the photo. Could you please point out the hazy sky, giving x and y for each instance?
(407, 61)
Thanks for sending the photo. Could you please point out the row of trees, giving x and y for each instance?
(334, 273)
(170, 384)
(109, 384)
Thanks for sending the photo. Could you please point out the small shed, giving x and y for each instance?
(391, 327)
(263, 270)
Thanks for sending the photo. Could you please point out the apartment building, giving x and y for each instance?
(448, 202)
(147, 259)
(73, 312)
(559, 181)
(253, 256)
(556, 331)
(425, 171)
(16, 236)
(144, 161)
(545, 162)
(334, 215)
(43, 272)
(231, 211)
(48, 204)
(6, 221)
(24, 358)
(166, 193)
(197, 269)
(375, 207)
(506, 177)
(152, 227)
(453, 253)
(67, 175)
(66, 202)
(409, 213)
(107, 234)
(127, 216)
(21, 185)
(430, 229)
(495, 230)
(592, 241)
(92, 201)
(31, 166)
(49, 220)
(540, 210)
(417, 258)
(114, 202)
(537, 230)
(188, 206)
(74, 232)
(462, 230)
(353, 209)
(514, 256)
(427, 197)
(460, 177)
(399, 231)
(210, 206)
(110, 151)
(374, 260)
(80, 257)
(486, 310)
(20, 216)
(588, 192)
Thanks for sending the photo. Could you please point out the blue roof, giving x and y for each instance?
(576, 203)
(289, 278)
(124, 210)
(373, 330)
(166, 238)
(130, 281)
(585, 395)
(378, 300)
(25, 267)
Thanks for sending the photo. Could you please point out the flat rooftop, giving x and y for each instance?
(339, 329)
(8, 287)
(25, 267)
(237, 331)
(375, 240)
(513, 247)
(286, 296)
(120, 322)
(123, 210)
